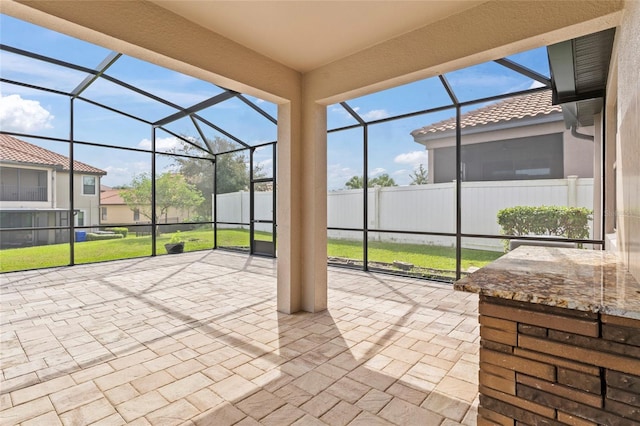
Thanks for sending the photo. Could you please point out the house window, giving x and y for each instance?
(80, 218)
(103, 212)
(88, 185)
(136, 215)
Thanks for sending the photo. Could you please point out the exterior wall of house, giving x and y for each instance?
(57, 198)
(116, 213)
(122, 214)
(578, 154)
(628, 137)
(61, 194)
(88, 204)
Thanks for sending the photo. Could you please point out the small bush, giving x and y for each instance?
(99, 237)
(176, 238)
(569, 222)
(121, 231)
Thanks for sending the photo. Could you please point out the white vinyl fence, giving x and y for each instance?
(426, 208)
(234, 207)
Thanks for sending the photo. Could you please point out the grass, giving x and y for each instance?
(426, 256)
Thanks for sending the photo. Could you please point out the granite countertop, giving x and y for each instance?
(585, 280)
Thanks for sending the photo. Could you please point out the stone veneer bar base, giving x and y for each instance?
(543, 365)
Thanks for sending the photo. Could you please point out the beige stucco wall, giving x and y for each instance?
(628, 138)
(117, 214)
(61, 196)
(89, 204)
(122, 214)
(491, 30)
(578, 153)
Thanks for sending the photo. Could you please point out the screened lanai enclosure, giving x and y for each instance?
(432, 179)
(439, 177)
(106, 157)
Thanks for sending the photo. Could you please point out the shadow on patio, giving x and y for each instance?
(196, 339)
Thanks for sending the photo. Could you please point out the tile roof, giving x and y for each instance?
(111, 197)
(16, 150)
(531, 105)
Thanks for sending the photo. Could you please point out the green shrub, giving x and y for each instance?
(569, 222)
(176, 238)
(99, 237)
(121, 231)
(198, 218)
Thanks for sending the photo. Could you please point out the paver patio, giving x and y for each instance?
(196, 339)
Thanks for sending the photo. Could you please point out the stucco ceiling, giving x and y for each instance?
(307, 34)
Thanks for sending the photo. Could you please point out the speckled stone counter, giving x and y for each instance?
(560, 338)
(585, 280)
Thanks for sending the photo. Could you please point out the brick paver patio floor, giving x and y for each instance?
(196, 339)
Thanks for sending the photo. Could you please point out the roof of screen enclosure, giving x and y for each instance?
(566, 62)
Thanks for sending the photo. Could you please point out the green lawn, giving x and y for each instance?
(435, 257)
(425, 256)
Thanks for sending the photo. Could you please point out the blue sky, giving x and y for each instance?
(392, 149)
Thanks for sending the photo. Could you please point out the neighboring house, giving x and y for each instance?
(114, 210)
(518, 138)
(34, 192)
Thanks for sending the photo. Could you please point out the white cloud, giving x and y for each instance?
(474, 79)
(401, 172)
(40, 73)
(377, 171)
(414, 158)
(266, 166)
(535, 84)
(343, 112)
(23, 115)
(337, 175)
(375, 114)
(162, 144)
(123, 173)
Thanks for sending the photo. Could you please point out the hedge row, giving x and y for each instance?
(569, 222)
(121, 231)
(99, 237)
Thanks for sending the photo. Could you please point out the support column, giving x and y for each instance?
(314, 207)
(302, 207)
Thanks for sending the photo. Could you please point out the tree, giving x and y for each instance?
(383, 180)
(172, 190)
(419, 176)
(232, 170)
(354, 183)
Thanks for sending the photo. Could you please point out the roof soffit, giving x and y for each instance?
(305, 35)
(160, 36)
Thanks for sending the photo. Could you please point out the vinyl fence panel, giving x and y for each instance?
(428, 208)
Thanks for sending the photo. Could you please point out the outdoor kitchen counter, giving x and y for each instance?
(559, 338)
(584, 280)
